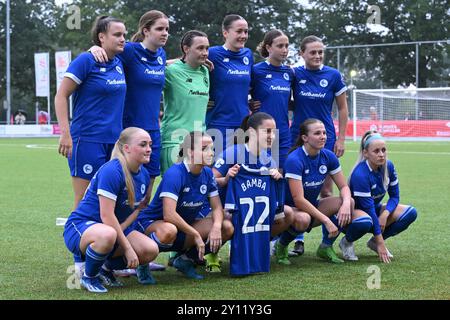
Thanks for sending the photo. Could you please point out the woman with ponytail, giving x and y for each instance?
(372, 177)
(144, 61)
(176, 218)
(98, 231)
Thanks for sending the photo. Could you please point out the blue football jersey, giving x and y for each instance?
(98, 101)
(367, 187)
(144, 72)
(109, 181)
(229, 87)
(312, 171)
(314, 93)
(240, 154)
(253, 198)
(271, 86)
(191, 192)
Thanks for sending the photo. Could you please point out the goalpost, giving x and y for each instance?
(403, 114)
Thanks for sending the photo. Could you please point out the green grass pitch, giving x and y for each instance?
(34, 263)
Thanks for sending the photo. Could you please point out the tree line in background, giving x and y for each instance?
(42, 26)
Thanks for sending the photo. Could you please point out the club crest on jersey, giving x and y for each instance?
(286, 76)
(102, 69)
(245, 59)
(205, 80)
(302, 81)
(226, 60)
(142, 188)
(119, 69)
(323, 83)
(203, 189)
(323, 169)
(160, 60)
(144, 59)
(87, 168)
(306, 171)
(269, 76)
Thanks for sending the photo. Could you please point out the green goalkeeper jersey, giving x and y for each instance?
(186, 95)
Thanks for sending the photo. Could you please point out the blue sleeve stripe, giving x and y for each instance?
(362, 194)
(168, 195)
(341, 91)
(293, 176)
(107, 194)
(73, 77)
(338, 169)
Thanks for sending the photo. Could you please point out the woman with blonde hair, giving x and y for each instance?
(99, 228)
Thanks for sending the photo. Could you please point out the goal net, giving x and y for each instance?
(414, 114)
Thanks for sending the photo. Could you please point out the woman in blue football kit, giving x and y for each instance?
(98, 231)
(144, 62)
(306, 168)
(98, 99)
(251, 151)
(315, 89)
(371, 178)
(185, 214)
(230, 82)
(271, 86)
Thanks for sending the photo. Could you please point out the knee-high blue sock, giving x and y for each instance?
(325, 240)
(163, 247)
(94, 262)
(359, 227)
(287, 236)
(403, 222)
(117, 263)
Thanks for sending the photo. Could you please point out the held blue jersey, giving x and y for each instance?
(271, 85)
(144, 72)
(240, 154)
(367, 187)
(98, 101)
(311, 171)
(253, 198)
(230, 85)
(314, 93)
(191, 192)
(109, 182)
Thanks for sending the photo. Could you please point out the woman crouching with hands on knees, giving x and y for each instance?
(307, 166)
(186, 214)
(373, 176)
(98, 231)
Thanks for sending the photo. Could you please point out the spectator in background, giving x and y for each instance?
(43, 117)
(20, 118)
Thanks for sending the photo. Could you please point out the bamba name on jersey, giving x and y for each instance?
(258, 183)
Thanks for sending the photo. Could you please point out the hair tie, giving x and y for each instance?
(373, 137)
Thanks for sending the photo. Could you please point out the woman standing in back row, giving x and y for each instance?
(230, 82)
(98, 97)
(316, 87)
(144, 61)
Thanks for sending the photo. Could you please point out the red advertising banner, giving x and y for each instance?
(401, 128)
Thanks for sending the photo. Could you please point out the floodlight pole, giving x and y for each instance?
(8, 67)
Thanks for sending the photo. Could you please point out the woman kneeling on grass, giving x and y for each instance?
(99, 228)
(186, 214)
(307, 166)
(373, 176)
